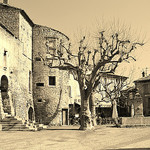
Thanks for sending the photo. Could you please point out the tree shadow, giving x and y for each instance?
(57, 107)
(62, 129)
(43, 112)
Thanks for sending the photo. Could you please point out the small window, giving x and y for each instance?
(51, 45)
(145, 86)
(39, 84)
(5, 52)
(5, 59)
(69, 89)
(38, 59)
(39, 100)
(52, 80)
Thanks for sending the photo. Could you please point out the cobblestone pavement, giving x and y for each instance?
(70, 138)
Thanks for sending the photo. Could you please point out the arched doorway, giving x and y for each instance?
(4, 95)
(30, 114)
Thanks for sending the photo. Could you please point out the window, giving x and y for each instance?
(51, 45)
(145, 88)
(39, 100)
(5, 59)
(52, 80)
(69, 89)
(38, 59)
(5, 52)
(39, 84)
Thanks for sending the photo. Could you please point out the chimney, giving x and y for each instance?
(5, 1)
(143, 74)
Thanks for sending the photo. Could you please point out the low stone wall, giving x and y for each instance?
(134, 121)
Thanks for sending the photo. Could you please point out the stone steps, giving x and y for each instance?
(18, 127)
(7, 109)
(10, 120)
(10, 123)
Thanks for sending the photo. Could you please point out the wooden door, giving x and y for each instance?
(64, 116)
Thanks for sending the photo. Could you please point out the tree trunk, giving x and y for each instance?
(93, 109)
(85, 117)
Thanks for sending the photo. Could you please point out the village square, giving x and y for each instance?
(60, 94)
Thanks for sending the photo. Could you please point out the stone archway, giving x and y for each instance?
(4, 95)
(30, 114)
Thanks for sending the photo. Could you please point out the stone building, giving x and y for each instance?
(16, 67)
(143, 86)
(50, 86)
(138, 100)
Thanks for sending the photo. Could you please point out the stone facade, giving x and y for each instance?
(16, 69)
(50, 86)
(9, 17)
(138, 98)
(143, 86)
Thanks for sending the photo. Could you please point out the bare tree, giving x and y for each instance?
(110, 90)
(88, 63)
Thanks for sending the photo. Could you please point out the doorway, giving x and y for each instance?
(64, 116)
(4, 95)
(30, 114)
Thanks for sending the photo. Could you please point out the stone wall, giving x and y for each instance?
(16, 69)
(19, 61)
(49, 99)
(9, 17)
(145, 96)
(134, 121)
(25, 36)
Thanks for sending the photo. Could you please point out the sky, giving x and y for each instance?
(70, 16)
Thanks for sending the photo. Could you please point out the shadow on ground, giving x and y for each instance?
(62, 129)
(70, 127)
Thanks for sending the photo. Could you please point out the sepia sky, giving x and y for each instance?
(68, 16)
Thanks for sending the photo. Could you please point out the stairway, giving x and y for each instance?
(10, 123)
(7, 109)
